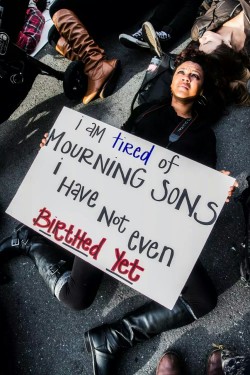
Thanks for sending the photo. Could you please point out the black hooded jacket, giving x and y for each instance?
(156, 122)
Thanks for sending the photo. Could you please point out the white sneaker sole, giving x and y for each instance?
(131, 42)
(150, 36)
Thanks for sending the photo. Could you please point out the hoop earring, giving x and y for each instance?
(202, 100)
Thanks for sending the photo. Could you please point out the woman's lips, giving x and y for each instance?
(186, 87)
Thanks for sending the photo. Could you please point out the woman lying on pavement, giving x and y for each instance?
(77, 285)
(223, 31)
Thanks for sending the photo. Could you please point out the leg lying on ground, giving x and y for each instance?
(105, 342)
(72, 280)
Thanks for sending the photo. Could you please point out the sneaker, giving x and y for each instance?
(133, 41)
(155, 39)
(163, 36)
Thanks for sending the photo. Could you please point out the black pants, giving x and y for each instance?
(175, 17)
(106, 15)
(80, 291)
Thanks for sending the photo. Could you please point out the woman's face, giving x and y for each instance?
(210, 41)
(187, 80)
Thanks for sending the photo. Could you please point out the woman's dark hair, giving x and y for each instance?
(235, 70)
(229, 70)
(213, 101)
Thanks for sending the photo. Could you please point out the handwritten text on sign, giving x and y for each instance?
(135, 210)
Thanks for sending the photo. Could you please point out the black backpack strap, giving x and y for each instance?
(138, 113)
(167, 62)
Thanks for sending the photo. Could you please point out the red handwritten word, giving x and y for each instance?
(123, 266)
(76, 238)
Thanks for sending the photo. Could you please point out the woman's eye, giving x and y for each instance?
(180, 72)
(196, 76)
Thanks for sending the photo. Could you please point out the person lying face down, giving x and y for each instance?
(231, 33)
(224, 30)
(230, 20)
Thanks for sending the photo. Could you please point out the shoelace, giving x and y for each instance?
(162, 35)
(138, 34)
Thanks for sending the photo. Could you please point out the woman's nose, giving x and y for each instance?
(186, 78)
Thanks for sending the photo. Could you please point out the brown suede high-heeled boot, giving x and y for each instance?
(60, 44)
(102, 73)
(65, 50)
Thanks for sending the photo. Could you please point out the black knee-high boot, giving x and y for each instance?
(106, 341)
(51, 260)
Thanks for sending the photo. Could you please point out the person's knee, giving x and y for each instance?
(203, 303)
(207, 305)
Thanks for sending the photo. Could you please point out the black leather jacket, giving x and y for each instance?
(220, 12)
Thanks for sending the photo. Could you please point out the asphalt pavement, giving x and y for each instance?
(46, 338)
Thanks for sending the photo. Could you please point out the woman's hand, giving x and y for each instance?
(44, 140)
(232, 188)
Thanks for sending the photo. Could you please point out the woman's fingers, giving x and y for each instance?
(44, 140)
(232, 188)
(225, 172)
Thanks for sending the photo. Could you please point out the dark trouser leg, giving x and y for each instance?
(175, 17)
(73, 281)
(77, 289)
(184, 19)
(75, 286)
(164, 13)
(108, 15)
(199, 291)
(106, 341)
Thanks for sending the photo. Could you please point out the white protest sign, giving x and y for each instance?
(137, 211)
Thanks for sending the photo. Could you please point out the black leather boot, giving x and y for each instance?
(52, 261)
(106, 341)
(16, 244)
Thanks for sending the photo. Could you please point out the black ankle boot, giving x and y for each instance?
(106, 341)
(17, 243)
(51, 261)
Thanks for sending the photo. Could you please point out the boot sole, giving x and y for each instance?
(131, 42)
(150, 36)
(109, 86)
